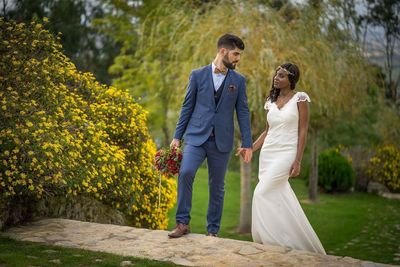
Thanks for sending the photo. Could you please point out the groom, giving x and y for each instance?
(213, 94)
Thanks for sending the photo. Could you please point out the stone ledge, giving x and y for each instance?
(69, 207)
(190, 250)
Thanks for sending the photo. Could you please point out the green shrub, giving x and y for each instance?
(64, 133)
(335, 173)
(385, 167)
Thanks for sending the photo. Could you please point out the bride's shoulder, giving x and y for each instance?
(267, 104)
(302, 97)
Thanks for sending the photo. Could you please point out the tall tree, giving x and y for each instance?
(178, 37)
(87, 48)
(284, 7)
(346, 17)
(386, 14)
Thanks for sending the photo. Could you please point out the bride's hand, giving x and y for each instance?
(240, 151)
(295, 169)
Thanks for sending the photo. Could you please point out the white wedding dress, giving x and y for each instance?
(277, 217)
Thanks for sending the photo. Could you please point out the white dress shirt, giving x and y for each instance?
(218, 78)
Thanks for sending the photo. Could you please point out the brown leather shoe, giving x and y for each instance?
(180, 230)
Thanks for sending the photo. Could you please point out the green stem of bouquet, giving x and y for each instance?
(159, 192)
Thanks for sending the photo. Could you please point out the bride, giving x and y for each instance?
(277, 217)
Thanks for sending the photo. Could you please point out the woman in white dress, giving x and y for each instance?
(277, 217)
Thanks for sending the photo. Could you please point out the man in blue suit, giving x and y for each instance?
(213, 94)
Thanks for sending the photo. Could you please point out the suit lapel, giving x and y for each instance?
(210, 85)
(225, 90)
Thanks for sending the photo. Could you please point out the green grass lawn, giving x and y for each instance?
(20, 254)
(358, 225)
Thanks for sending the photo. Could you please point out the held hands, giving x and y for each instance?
(246, 153)
(175, 143)
(295, 169)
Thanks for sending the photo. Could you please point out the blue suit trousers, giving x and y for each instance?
(193, 157)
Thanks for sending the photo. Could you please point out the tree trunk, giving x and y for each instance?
(313, 179)
(4, 7)
(165, 130)
(394, 90)
(245, 197)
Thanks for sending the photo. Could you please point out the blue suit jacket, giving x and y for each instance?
(200, 114)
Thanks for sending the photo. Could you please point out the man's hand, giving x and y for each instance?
(175, 143)
(239, 151)
(246, 153)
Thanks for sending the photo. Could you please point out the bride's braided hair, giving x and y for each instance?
(293, 76)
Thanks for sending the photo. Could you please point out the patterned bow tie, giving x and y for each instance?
(217, 71)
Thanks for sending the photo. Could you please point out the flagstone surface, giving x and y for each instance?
(190, 250)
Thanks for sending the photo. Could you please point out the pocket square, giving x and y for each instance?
(231, 88)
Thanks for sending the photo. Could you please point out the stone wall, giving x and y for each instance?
(77, 208)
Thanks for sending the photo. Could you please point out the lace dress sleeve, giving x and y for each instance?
(302, 97)
(267, 105)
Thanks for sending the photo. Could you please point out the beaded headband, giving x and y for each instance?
(285, 70)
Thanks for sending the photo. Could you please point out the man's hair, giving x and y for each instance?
(230, 41)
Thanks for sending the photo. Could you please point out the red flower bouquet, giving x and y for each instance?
(168, 161)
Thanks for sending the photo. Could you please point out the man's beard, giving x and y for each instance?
(228, 64)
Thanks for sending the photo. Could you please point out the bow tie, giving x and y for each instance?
(217, 71)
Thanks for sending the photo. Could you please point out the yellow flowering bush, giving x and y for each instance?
(64, 133)
(384, 167)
